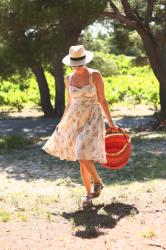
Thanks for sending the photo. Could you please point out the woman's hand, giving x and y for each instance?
(113, 127)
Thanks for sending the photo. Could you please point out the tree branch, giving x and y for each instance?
(114, 7)
(127, 8)
(149, 10)
(131, 13)
(121, 18)
(131, 18)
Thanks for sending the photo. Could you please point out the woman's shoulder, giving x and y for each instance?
(93, 71)
(96, 75)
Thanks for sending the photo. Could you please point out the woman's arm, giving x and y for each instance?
(98, 81)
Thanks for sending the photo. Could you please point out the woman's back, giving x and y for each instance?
(82, 86)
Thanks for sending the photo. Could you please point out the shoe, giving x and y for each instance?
(87, 202)
(97, 189)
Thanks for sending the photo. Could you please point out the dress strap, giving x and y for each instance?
(70, 79)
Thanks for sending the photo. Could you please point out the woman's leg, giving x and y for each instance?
(90, 167)
(86, 177)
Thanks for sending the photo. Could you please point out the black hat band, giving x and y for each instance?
(77, 58)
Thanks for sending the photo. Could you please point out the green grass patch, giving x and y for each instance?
(148, 234)
(22, 217)
(4, 216)
(15, 142)
(49, 216)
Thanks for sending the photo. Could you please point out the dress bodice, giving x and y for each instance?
(87, 92)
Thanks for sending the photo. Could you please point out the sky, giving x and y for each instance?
(98, 27)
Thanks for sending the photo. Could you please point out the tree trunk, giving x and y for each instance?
(59, 87)
(44, 90)
(162, 94)
(155, 54)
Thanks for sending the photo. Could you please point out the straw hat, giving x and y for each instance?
(77, 56)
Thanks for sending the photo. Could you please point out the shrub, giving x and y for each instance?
(138, 86)
(123, 83)
(105, 65)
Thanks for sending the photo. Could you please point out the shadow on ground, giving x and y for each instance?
(28, 126)
(99, 217)
(148, 159)
(44, 127)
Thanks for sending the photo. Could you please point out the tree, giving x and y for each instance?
(23, 27)
(124, 41)
(73, 17)
(148, 18)
(38, 35)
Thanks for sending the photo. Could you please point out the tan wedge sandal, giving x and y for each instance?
(87, 202)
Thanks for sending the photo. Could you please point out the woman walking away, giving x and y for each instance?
(80, 135)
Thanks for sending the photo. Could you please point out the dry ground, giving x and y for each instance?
(40, 200)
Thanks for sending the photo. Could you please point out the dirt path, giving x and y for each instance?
(18, 123)
(40, 196)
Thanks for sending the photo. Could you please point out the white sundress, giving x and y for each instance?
(81, 133)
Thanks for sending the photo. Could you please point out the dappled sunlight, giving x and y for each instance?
(27, 126)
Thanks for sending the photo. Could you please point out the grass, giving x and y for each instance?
(148, 233)
(15, 142)
(24, 205)
(49, 216)
(22, 217)
(5, 216)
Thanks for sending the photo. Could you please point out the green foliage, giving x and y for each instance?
(138, 86)
(124, 41)
(105, 65)
(12, 95)
(123, 63)
(116, 40)
(18, 99)
(94, 44)
(41, 30)
(123, 83)
(17, 93)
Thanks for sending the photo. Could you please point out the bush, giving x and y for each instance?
(138, 86)
(18, 100)
(123, 83)
(105, 65)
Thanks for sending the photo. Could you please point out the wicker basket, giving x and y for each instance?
(118, 149)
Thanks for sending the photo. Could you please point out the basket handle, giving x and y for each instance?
(118, 130)
(128, 140)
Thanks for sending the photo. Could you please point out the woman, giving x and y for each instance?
(80, 135)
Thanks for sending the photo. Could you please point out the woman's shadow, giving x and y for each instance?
(93, 221)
